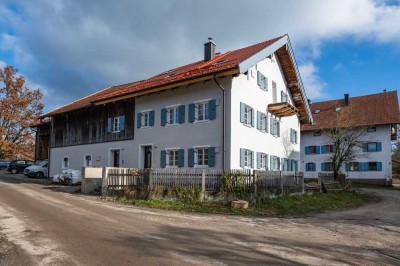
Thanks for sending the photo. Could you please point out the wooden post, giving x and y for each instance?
(255, 182)
(150, 177)
(104, 186)
(280, 175)
(203, 184)
(320, 182)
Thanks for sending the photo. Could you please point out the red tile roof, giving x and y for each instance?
(368, 110)
(222, 62)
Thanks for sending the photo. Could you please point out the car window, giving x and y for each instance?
(43, 164)
(30, 162)
(20, 162)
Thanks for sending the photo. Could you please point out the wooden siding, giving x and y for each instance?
(42, 142)
(89, 125)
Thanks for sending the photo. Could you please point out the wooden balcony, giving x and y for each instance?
(282, 109)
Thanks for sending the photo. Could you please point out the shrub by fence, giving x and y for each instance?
(208, 180)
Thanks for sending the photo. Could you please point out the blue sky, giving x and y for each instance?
(73, 48)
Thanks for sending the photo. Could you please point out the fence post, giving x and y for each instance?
(320, 182)
(104, 185)
(255, 181)
(203, 183)
(150, 177)
(281, 178)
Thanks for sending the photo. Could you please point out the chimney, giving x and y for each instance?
(346, 99)
(209, 50)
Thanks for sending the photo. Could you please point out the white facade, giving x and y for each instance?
(363, 168)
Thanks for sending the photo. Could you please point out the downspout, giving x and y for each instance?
(223, 121)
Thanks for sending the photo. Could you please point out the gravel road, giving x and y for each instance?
(39, 225)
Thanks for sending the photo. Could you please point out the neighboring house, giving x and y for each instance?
(378, 114)
(239, 109)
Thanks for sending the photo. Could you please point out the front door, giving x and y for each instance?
(116, 158)
(147, 157)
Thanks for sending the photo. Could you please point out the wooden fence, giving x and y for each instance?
(210, 180)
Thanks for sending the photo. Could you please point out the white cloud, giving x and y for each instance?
(314, 86)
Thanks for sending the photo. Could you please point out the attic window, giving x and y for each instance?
(220, 61)
(317, 111)
(168, 71)
(338, 109)
(171, 75)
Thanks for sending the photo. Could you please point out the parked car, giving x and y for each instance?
(38, 170)
(16, 166)
(4, 165)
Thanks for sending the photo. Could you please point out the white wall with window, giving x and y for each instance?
(373, 160)
(252, 127)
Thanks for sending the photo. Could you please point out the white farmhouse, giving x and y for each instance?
(378, 114)
(239, 109)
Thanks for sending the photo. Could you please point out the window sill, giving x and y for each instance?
(201, 166)
(171, 167)
(202, 121)
(247, 125)
(172, 125)
(143, 128)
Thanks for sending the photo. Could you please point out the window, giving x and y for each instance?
(371, 129)
(284, 96)
(173, 115)
(293, 136)
(116, 124)
(201, 157)
(312, 150)
(248, 158)
(327, 149)
(317, 133)
(202, 111)
(353, 166)
(310, 167)
(294, 166)
(372, 166)
(246, 115)
(317, 111)
(65, 162)
(274, 93)
(275, 127)
(262, 122)
(327, 167)
(172, 158)
(275, 163)
(262, 81)
(145, 119)
(262, 161)
(372, 146)
(88, 160)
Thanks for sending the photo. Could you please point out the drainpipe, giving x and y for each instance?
(223, 121)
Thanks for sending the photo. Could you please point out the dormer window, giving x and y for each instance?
(317, 111)
(338, 109)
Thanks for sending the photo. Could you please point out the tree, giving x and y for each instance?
(346, 134)
(19, 108)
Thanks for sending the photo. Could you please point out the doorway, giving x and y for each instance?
(147, 157)
(115, 158)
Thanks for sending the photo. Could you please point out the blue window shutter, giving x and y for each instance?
(272, 125)
(242, 157)
(191, 157)
(278, 128)
(271, 159)
(307, 150)
(278, 161)
(192, 108)
(306, 168)
(122, 123)
(296, 168)
(323, 167)
(211, 156)
(346, 166)
(151, 118)
(258, 120)
(266, 161)
(242, 106)
(163, 117)
(334, 148)
(139, 120)
(323, 149)
(379, 166)
(314, 167)
(364, 166)
(252, 117)
(318, 150)
(258, 78)
(291, 135)
(252, 159)
(212, 109)
(109, 124)
(163, 159)
(365, 147)
(266, 83)
(181, 158)
(181, 114)
(266, 122)
(258, 160)
(379, 146)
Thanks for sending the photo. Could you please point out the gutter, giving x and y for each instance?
(223, 121)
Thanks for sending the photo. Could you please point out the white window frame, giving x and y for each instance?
(263, 118)
(204, 160)
(85, 161)
(63, 162)
(145, 119)
(248, 115)
(175, 161)
(115, 124)
(202, 107)
(293, 136)
(174, 110)
(263, 161)
(247, 158)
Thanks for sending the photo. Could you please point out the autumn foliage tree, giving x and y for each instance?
(19, 108)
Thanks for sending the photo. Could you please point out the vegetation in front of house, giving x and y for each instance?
(187, 201)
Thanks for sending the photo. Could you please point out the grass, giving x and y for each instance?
(281, 206)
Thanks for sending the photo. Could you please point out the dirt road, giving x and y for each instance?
(56, 228)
